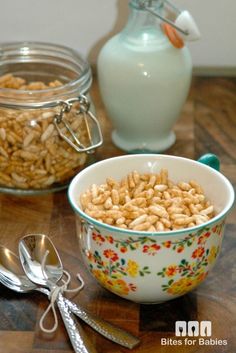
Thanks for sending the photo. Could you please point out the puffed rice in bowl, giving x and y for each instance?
(150, 227)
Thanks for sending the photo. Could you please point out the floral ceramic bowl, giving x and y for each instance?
(152, 267)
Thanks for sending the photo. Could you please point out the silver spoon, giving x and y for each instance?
(32, 249)
(11, 276)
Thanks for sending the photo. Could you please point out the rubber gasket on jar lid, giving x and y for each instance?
(173, 36)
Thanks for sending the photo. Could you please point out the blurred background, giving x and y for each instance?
(86, 25)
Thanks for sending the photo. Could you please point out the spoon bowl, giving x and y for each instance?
(40, 260)
(11, 272)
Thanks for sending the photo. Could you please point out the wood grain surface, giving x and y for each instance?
(207, 124)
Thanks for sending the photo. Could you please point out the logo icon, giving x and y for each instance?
(193, 328)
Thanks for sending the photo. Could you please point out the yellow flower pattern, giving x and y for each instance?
(132, 268)
(185, 284)
(213, 254)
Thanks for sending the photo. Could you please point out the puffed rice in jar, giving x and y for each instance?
(47, 129)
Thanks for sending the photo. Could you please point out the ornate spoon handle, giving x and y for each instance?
(78, 338)
(106, 329)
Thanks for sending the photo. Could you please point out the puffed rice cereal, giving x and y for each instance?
(147, 202)
(32, 154)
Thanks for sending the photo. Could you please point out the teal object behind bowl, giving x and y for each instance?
(211, 160)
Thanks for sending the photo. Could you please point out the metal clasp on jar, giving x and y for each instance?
(91, 124)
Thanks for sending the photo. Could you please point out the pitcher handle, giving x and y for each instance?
(211, 160)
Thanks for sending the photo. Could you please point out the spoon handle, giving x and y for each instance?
(106, 329)
(78, 338)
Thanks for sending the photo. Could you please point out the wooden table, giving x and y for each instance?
(207, 124)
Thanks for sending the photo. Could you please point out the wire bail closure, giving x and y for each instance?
(150, 9)
(84, 110)
(184, 22)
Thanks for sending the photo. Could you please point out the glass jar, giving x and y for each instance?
(144, 81)
(47, 129)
